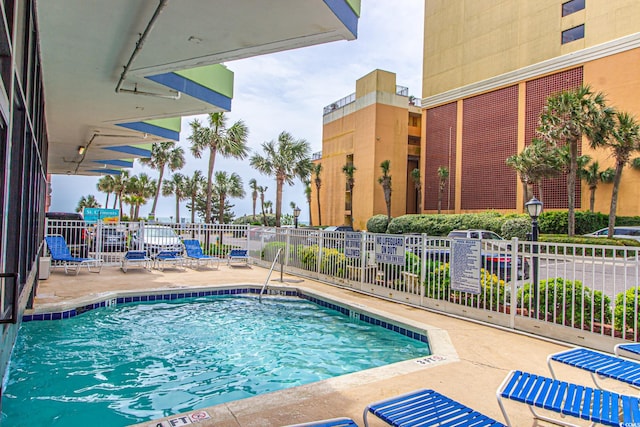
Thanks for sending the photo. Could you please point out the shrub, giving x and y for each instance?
(492, 289)
(627, 310)
(516, 227)
(377, 224)
(557, 296)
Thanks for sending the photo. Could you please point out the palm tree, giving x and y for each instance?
(316, 169)
(417, 182)
(87, 202)
(119, 188)
(348, 171)
(268, 205)
(226, 185)
(253, 184)
(262, 190)
(142, 187)
(106, 184)
(623, 141)
(568, 116)
(192, 188)
(307, 194)
(592, 175)
(217, 138)
(284, 159)
(163, 154)
(443, 175)
(385, 182)
(536, 162)
(175, 187)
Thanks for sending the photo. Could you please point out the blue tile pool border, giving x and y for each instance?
(171, 296)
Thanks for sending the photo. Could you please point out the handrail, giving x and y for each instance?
(273, 264)
(13, 318)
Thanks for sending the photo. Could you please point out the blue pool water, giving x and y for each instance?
(136, 362)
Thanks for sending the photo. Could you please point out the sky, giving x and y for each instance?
(288, 91)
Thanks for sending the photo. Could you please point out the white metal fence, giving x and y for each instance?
(110, 241)
(586, 294)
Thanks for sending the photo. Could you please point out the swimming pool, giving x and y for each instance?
(135, 362)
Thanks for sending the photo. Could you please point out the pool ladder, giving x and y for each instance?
(266, 282)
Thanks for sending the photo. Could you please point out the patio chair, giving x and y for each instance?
(164, 258)
(61, 256)
(587, 403)
(135, 258)
(634, 349)
(238, 256)
(599, 365)
(196, 256)
(427, 408)
(333, 422)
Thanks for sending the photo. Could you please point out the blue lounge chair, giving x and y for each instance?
(238, 256)
(634, 349)
(587, 403)
(164, 258)
(61, 256)
(195, 254)
(333, 422)
(135, 258)
(427, 408)
(599, 365)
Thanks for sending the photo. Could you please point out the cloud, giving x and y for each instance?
(287, 91)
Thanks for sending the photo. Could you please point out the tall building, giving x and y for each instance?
(489, 67)
(87, 85)
(376, 123)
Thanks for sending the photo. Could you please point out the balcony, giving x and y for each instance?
(339, 104)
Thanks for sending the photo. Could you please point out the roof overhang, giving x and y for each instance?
(171, 54)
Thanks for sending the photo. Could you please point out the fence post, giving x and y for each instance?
(363, 259)
(513, 296)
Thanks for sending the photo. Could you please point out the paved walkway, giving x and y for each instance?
(472, 359)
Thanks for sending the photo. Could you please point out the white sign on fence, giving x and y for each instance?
(464, 269)
(352, 244)
(390, 249)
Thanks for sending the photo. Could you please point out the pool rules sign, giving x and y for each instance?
(464, 266)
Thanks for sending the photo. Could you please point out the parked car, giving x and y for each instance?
(339, 228)
(109, 239)
(620, 232)
(156, 238)
(494, 256)
(72, 227)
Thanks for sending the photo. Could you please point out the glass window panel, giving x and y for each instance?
(575, 33)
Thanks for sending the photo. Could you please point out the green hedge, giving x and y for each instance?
(441, 225)
(627, 302)
(377, 224)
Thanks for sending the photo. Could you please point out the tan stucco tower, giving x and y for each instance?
(378, 122)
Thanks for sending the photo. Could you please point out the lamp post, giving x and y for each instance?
(534, 209)
(296, 214)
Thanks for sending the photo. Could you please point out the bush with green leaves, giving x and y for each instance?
(567, 302)
(438, 280)
(627, 311)
(377, 224)
(516, 227)
(441, 225)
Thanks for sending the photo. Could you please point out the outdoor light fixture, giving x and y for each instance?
(81, 150)
(296, 214)
(534, 209)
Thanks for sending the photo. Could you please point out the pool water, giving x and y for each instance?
(136, 362)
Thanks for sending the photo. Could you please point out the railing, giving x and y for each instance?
(317, 155)
(585, 293)
(339, 104)
(402, 90)
(109, 242)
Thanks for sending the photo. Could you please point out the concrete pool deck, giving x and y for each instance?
(472, 359)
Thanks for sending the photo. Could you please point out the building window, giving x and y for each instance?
(572, 7)
(575, 33)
